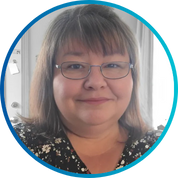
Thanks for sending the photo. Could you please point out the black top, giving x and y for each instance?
(60, 153)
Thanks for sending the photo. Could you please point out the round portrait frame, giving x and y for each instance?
(114, 6)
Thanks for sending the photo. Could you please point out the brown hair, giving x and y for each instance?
(99, 29)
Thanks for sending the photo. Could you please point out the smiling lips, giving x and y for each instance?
(94, 101)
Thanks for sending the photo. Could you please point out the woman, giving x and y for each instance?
(84, 108)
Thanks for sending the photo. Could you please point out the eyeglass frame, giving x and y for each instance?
(131, 66)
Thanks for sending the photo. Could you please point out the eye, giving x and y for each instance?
(75, 66)
(112, 65)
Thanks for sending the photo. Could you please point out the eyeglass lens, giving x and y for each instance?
(79, 70)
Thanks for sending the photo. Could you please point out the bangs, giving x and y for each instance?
(95, 34)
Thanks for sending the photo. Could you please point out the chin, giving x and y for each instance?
(96, 120)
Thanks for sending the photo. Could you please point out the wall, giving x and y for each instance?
(13, 84)
(163, 86)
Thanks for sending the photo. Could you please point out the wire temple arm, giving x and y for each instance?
(131, 65)
(57, 66)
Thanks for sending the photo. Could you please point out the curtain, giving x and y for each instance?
(145, 40)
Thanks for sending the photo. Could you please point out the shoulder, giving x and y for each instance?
(140, 146)
(150, 138)
(43, 147)
(134, 150)
(28, 134)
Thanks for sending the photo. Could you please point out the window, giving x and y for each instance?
(162, 85)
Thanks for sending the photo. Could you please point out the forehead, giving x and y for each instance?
(78, 47)
(74, 46)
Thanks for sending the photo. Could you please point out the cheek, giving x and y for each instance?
(122, 89)
(61, 89)
(64, 90)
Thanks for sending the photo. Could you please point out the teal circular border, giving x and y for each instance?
(114, 6)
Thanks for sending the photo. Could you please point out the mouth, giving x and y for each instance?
(95, 101)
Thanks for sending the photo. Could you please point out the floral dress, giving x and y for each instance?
(59, 152)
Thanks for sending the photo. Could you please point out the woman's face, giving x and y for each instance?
(94, 100)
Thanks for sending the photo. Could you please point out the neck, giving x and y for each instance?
(93, 132)
(103, 138)
(88, 131)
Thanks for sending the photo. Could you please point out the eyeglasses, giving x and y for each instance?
(79, 70)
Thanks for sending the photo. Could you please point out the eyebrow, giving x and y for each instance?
(73, 53)
(77, 53)
(113, 53)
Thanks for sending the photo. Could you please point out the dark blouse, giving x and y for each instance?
(59, 152)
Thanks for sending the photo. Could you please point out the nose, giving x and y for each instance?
(95, 80)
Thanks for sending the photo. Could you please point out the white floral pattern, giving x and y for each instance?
(46, 148)
(57, 140)
(59, 152)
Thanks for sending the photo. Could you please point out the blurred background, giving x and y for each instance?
(156, 85)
